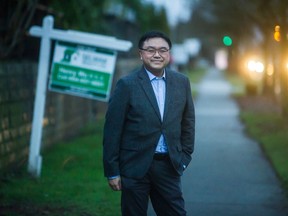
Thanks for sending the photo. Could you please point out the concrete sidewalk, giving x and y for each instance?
(229, 174)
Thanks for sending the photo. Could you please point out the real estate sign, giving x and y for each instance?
(82, 70)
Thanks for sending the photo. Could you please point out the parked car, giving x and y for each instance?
(253, 72)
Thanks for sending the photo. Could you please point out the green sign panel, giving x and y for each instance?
(82, 71)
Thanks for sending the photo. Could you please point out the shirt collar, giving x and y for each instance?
(152, 76)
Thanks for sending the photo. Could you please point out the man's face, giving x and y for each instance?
(155, 55)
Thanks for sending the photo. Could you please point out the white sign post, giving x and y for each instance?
(47, 33)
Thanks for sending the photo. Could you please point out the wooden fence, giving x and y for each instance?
(65, 115)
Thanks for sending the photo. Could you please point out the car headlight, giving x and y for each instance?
(255, 66)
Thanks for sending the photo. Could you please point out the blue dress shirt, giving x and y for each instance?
(159, 88)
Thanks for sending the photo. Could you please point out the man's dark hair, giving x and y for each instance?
(153, 34)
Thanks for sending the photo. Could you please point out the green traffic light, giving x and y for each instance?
(227, 41)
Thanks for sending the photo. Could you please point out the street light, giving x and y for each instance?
(277, 35)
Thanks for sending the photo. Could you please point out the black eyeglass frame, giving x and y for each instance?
(152, 51)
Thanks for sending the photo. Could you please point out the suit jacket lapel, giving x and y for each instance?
(147, 88)
(169, 92)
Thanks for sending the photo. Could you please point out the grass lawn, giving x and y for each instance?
(71, 183)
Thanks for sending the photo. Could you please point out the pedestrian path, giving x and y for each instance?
(229, 174)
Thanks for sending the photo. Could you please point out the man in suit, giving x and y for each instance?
(149, 133)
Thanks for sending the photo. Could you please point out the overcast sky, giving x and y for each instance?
(177, 10)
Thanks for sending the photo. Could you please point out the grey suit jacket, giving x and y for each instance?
(133, 124)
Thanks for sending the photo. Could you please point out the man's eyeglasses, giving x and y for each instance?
(152, 51)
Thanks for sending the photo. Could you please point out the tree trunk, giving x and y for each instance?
(284, 58)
